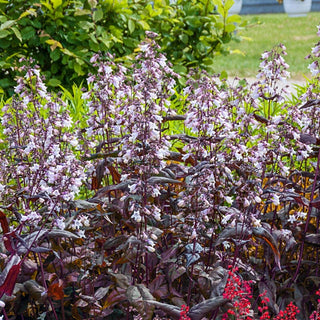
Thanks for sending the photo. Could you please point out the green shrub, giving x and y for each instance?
(61, 36)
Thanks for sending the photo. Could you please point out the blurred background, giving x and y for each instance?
(269, 25)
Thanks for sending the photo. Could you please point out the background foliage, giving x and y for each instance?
(61, 36)
(298, 35)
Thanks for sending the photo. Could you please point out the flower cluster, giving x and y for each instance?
(184, 313)
(127, 108)
(273, 69)
(263, 308)
(315, 54)
(289, 313)
(316, 314)
(41, 163)
(239, 292)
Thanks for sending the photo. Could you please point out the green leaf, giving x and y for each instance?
(54, 82)
(193, 22)
(178, 68)
(223, 75)
(93, 38)
(56, 3)
(92, 3)
(189, 56)
(54, 44)
(182, 81)
(68, 52)
(78, 69)
(97, 15)
(4, 33)
(86, 25)
(7, 24)
(230, 28)
(144, 24)
(82, 12)
(129, 42)
(55, 55)
(131, 26)
(27, 13)
(106, 41)
(17, 33)
(208, 61)
(94, 46)
(201, 47)
(184, 38)
(36, 23)
(28, 33)
(234, 19)
(228, 4)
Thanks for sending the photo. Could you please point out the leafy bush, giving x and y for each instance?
(61, 36)
(220, 220)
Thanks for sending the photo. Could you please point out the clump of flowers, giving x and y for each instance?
(314, 56)
(289, 313)
(239, 292)
(273, 69)
(184, 313)
(144, 146)
(40, 163)
(316, 314)
(263, 308)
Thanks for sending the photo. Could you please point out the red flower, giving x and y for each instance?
(184, 313)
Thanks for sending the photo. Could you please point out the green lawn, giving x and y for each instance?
(299, 35)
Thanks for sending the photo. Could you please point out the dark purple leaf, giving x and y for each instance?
(269, 239)
(37, 292)
(169, 309)
(198, 311)
(175, 272)
(192, 251)
(139, 297)
(308, 139)
(218, 277)
(313, 239)
(268, 288)
(260, 118)
(121, 280)
(57, 233)
(171, 252)
(311, 103)
(158, 287)
(4, 223)
(163, 180)
(8, 276)
(101, 293)
(241, 232)
(103, 192)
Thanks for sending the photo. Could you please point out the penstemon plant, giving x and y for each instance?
(40, 174)
(40, 168)
(121, 216)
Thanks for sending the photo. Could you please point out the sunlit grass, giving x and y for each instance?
(299, 35)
